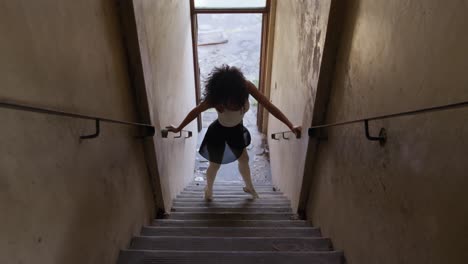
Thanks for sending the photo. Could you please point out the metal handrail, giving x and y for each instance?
(165, 133)
(312, 131)
(22, 107)
(274, 136)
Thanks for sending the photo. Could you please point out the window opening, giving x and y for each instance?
(230, 4)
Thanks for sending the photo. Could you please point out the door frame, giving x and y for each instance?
(265, 11)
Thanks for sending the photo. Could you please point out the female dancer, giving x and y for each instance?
(226, 139)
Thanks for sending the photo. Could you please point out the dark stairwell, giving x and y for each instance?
(68, 200)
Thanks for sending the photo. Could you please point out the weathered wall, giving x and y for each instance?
(166, 49)
(62, 200)
(298, 46)
(405, 202)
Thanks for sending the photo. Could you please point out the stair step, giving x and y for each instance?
(227, 205)
(231, 192)
(233, 209)
(231, 243)
(232, 196)
(245, 204)
(232, 216)
(228, 183)
(245, 199)
(231, 188)
(228, 257)
(230, 223)
(231, 231)
(220, 201)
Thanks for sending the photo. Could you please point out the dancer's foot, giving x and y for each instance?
(252, 192)
(208, 195)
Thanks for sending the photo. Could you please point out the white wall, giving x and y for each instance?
(166, 49)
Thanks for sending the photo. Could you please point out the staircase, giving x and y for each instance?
(230, 229)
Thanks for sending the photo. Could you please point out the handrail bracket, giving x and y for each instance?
(275, 136)
(382, 138)
(95, 134)
(165, 133)
(189, 134)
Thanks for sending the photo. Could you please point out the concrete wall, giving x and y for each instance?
(166, 50)
(298, 47)
(62, 200)
(404, 202)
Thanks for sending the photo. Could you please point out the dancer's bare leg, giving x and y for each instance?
(210, 178)
(244, 170)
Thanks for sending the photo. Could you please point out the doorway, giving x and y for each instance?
(232, 32)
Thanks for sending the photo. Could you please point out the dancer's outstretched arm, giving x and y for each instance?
(203, 106)
(272, 108)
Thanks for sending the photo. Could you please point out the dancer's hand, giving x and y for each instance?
(297, 130)
(173, 129)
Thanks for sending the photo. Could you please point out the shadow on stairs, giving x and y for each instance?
(232, 228)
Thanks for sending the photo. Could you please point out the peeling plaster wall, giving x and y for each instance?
(405, 202)
(62, 200)
(299, 39)
(165, 38)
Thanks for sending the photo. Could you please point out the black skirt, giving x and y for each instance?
(224, 145)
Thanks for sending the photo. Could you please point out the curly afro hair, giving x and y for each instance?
(226, 86)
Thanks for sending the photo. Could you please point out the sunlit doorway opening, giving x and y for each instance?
(232, 32)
